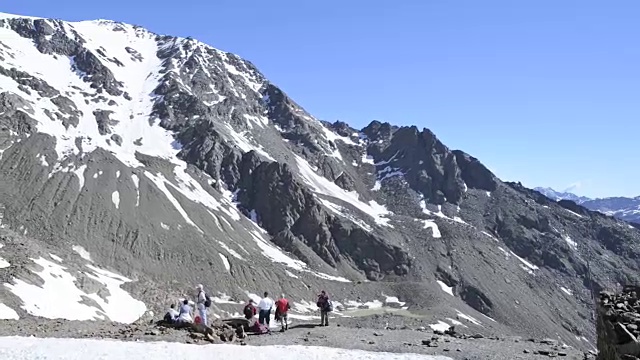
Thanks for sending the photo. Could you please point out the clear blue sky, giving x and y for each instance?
(546, 92)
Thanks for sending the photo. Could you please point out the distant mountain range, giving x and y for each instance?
(623, 208)
(559, 195)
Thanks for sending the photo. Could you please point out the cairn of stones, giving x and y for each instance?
(618, 324)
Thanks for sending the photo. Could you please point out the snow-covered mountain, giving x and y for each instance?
(561, 195)
(135, 165)
(627, 209)
(623, 208)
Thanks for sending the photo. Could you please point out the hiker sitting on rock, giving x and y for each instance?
(171, 315)
(264, 308)
(282, 308)
(184, 316)
(249, 310)
(325, 306)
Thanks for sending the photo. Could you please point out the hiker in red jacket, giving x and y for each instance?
(282, 308)
(249, 310)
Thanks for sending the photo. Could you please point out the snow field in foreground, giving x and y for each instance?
(22, 348)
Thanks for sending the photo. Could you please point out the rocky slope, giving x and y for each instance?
(135, 165)
(623, 208)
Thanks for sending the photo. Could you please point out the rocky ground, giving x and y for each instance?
(618, 321)
(341, 334)
(623, 312)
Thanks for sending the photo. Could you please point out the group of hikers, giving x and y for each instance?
(185, 313)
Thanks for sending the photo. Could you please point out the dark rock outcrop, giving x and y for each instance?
(618, 324)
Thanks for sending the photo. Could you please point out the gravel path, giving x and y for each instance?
(421, 341)
(412, 341)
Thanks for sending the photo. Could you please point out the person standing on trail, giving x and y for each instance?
(202, 303)
(282, 308)
(325, 306)
(264, 309)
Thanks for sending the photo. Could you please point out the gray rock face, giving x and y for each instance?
(14, 118)
(208, 173)
(104, 121)
(29, 82)
(617, 323)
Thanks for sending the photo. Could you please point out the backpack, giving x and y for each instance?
(329, 305)
(207, 300)
(260, 328)
(248, 311)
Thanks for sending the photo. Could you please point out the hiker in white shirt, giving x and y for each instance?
(202, 309)
(171, 315)
(264, 308)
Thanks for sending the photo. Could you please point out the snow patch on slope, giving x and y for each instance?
(440, 326)
(446, 288)
(527, 266)
(160, 181)
(230, 250)
(60, 298)
(119, 306)
(566, 291)
(323, 186)
(115, 198)
(82, 252)
(468, 318)
(225, 261)
(430, 224)
(440, 214)
(341, 211)
(56, 258)
(7, 313)
(394, 300)
(80, 174)
(573, 213)
(136, 183)
(278, 256)
(572, 244)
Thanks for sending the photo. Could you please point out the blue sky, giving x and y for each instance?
(545, 92)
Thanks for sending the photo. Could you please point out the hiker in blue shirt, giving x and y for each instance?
(184, 316)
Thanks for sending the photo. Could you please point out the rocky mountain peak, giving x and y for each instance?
(171, 162)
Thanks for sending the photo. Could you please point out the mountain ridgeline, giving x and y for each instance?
(172, 163)
(623, 208)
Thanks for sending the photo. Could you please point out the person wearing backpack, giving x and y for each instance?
(325, 306)
(202, 303)
(249, 310)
